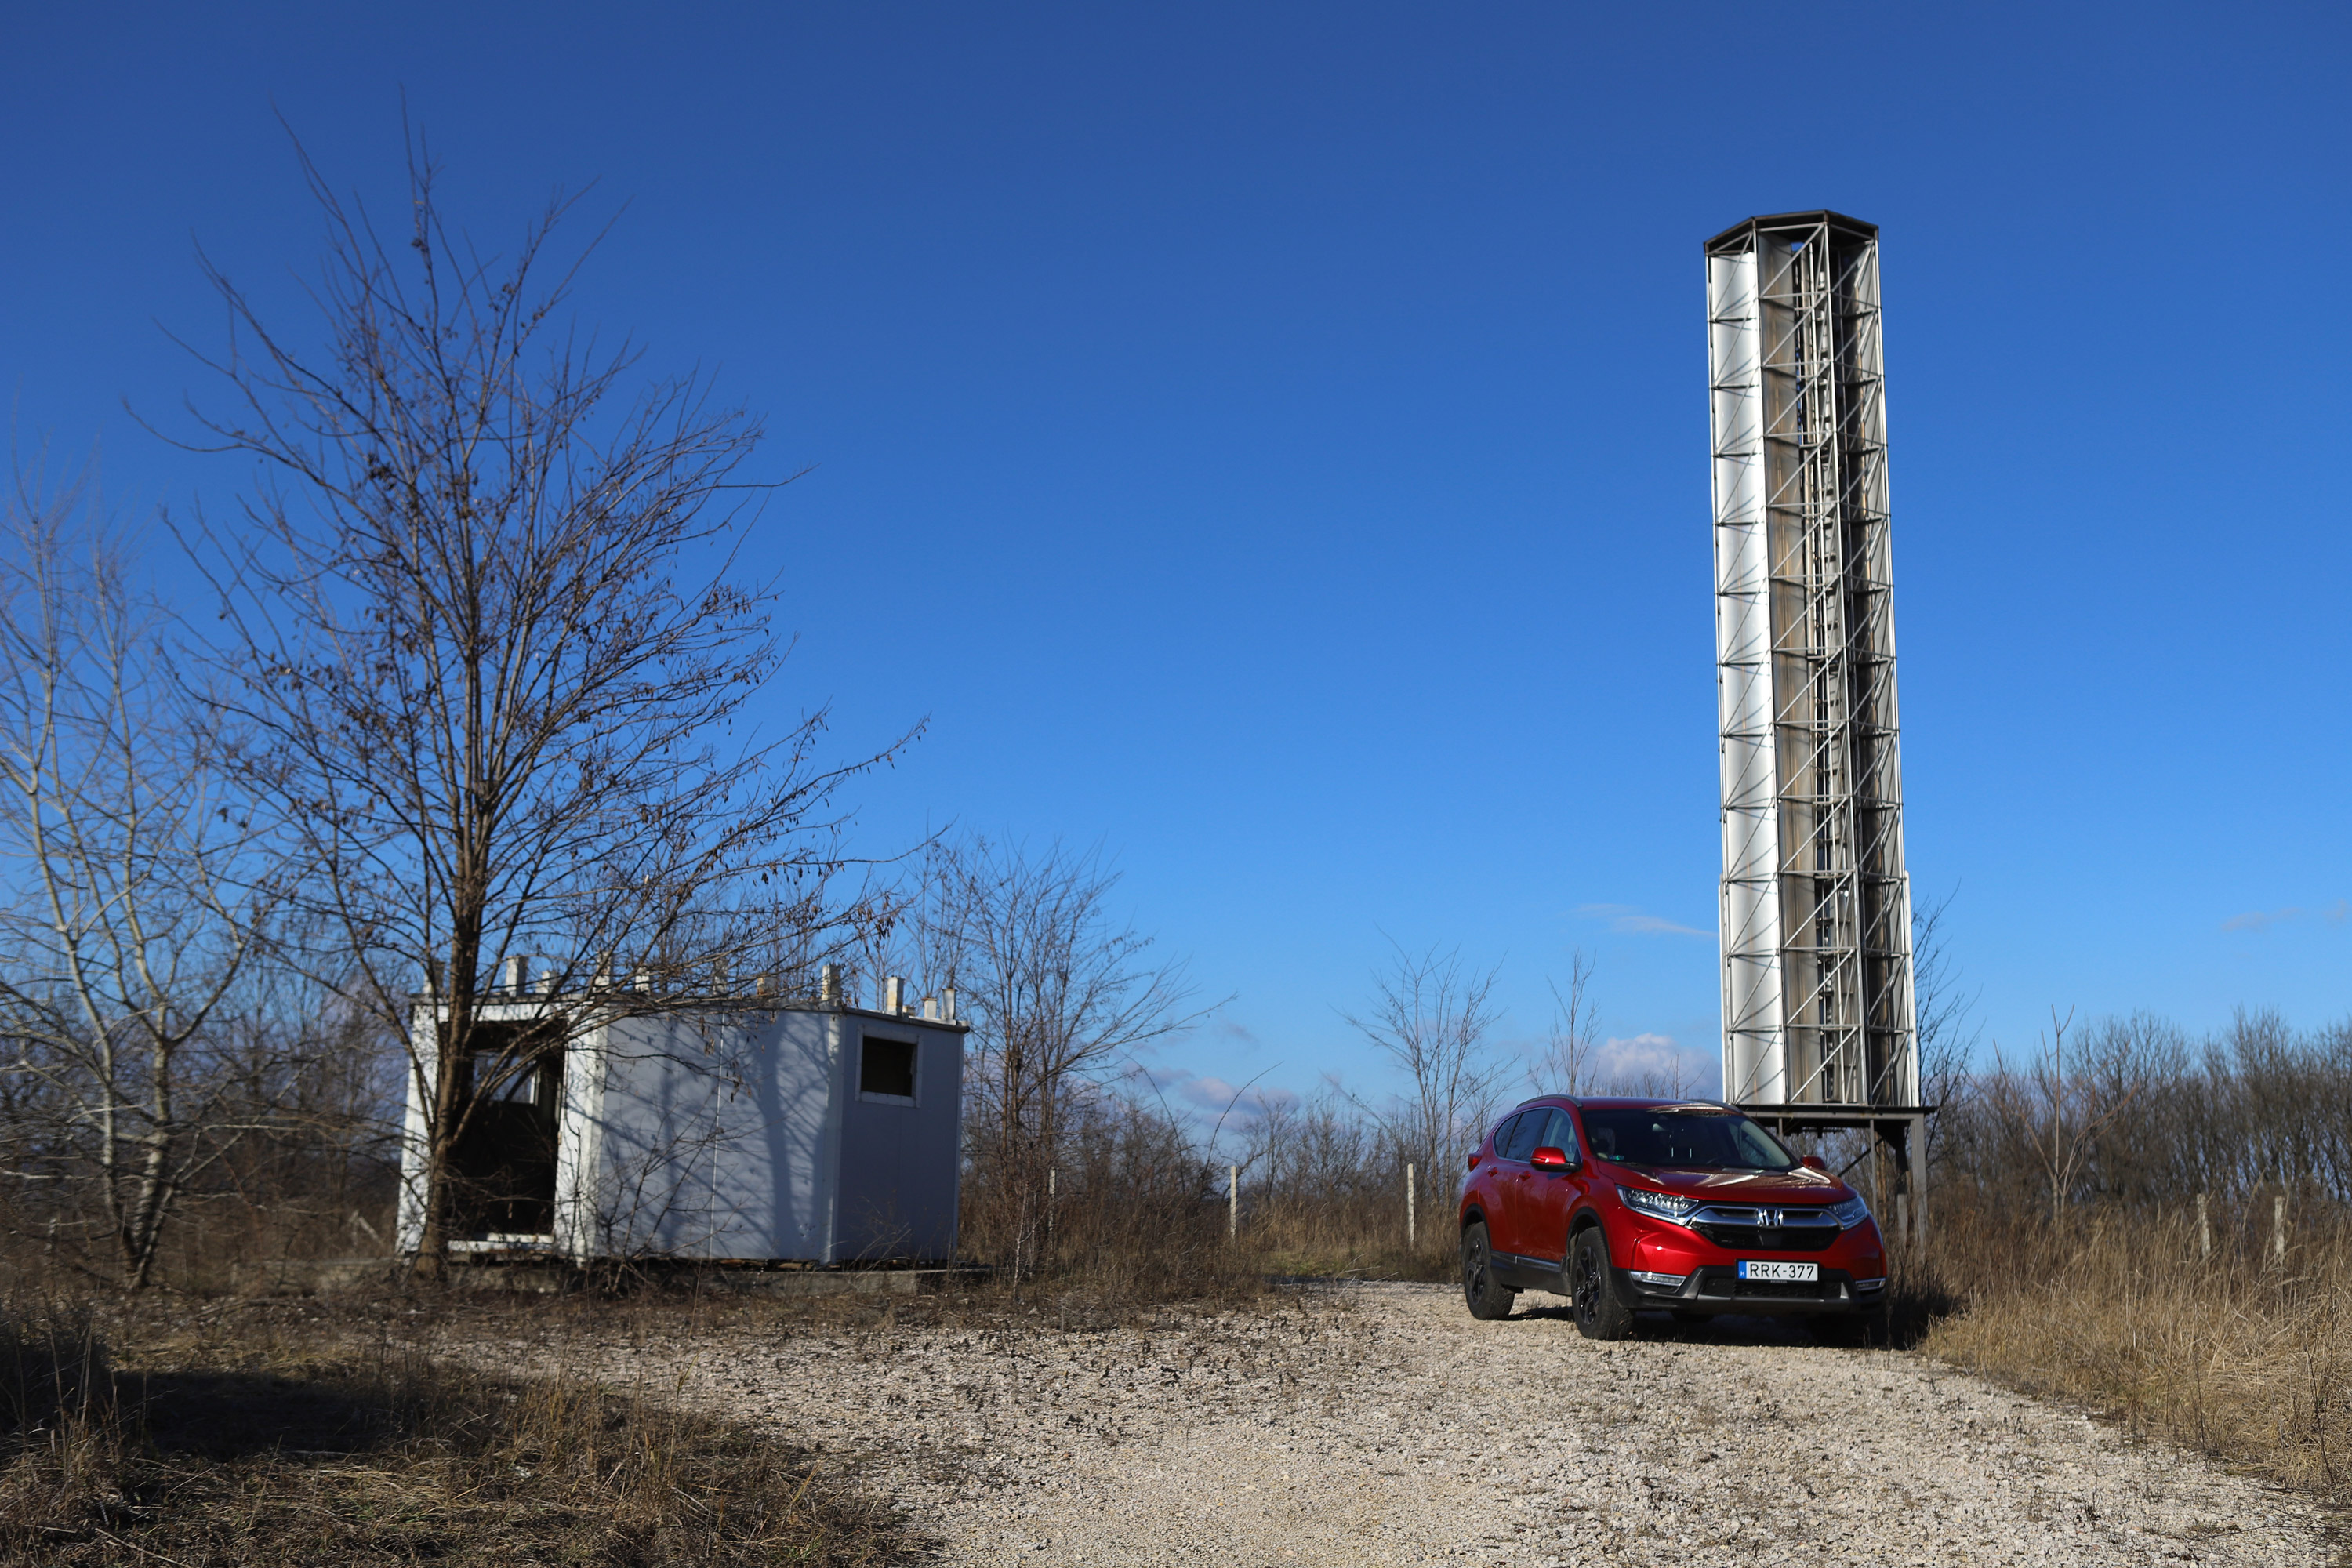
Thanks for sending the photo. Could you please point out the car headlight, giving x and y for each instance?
(1850, 1213)
(1668, 1206)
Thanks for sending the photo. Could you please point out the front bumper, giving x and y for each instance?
(1717, 1288)
(1853, 1272)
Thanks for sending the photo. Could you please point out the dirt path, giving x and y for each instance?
(1380, 1425)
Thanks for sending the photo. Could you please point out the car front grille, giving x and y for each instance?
(1760, 1238)
(1745, 1229)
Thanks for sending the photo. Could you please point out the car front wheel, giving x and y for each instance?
(1592, 1290)
(1486, 1296)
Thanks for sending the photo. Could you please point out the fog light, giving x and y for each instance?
(1870, 1284)
(1661, 1281)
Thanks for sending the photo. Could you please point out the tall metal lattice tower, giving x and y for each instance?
(1818, 1022)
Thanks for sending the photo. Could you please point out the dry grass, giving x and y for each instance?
(1335, 1242)
(2238, 1356)
(273, 1434)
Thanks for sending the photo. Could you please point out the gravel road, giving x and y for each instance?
(1380, 1425)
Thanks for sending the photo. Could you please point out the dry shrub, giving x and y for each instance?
(1138, 1211)
(1126, 1212)
(1323, 1195)
(1350, 1237)
(2237, 1355)
(2067, 1184)
(60, 1447)
(316, 1445)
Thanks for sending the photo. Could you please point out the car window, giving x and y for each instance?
(1603, 1136)
(1700, 1139)
(1503, 1134)
(1559, 1133)
(1523, 1134)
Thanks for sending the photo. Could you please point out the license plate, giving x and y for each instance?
(1795, 1273)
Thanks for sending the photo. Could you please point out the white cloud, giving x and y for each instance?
(1208, 1093)
(1216, 1097)
(2263, 920)
(1632, 1056)
(1652, 1063)
(1633, 921)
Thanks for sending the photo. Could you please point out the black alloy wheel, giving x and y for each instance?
(1486, 1296)
(1593, 1290)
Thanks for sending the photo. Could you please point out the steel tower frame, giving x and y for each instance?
(1818, 1024)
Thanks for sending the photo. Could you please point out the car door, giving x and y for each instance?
(1486, 1180)
(1540, 1215)
(1513, 1141)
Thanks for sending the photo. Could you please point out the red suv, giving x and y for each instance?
(1628, 1206)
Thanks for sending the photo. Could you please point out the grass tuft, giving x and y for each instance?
(311, 1445)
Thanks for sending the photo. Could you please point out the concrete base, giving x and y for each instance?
(835, 1281)
(544, 1277)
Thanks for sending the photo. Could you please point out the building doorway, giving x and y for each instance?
(503, 1166)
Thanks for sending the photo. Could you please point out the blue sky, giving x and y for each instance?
(1269, 442)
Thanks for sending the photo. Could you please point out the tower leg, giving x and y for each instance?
(1917, 1141)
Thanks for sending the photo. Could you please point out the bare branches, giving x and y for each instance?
(1059, 992)
(483, 633)
(1941, 1006)
(1429, 1016)
(138, 887)
(1565, 1066)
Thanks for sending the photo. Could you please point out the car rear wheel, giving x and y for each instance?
(1592, 1290)
(1486, 1295)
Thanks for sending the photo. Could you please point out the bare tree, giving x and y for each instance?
(1060, 995)
(481, 622)
(1429, 1016)
(2062, 1107)
(137, 890)
(1940, 1003)
(1565, 1064)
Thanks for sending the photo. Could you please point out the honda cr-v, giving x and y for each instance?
(1688, 1207)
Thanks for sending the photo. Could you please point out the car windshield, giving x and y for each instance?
(1695, 1140)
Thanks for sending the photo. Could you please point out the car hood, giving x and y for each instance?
(1800, 1186)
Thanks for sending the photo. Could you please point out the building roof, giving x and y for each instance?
(1741, 235)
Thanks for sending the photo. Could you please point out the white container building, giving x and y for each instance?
(714, 1130)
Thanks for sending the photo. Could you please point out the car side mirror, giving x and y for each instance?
(1813, 1162)
(1551, 1160)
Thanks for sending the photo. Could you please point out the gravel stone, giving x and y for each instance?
(1379, 1424)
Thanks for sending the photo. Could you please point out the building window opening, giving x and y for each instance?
(887, 1067)
(519, 1085)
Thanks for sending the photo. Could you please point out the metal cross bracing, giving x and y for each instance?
(1815, 903)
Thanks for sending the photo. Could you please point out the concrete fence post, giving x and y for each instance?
(2204, 1232)
(2278, 1230)
(1409, 1236)
(1233, 1203)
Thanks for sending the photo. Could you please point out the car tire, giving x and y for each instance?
(1486, 1296)
(1593, 1288)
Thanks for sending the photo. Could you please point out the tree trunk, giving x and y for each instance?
(452, 1035)
(143, 1227)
